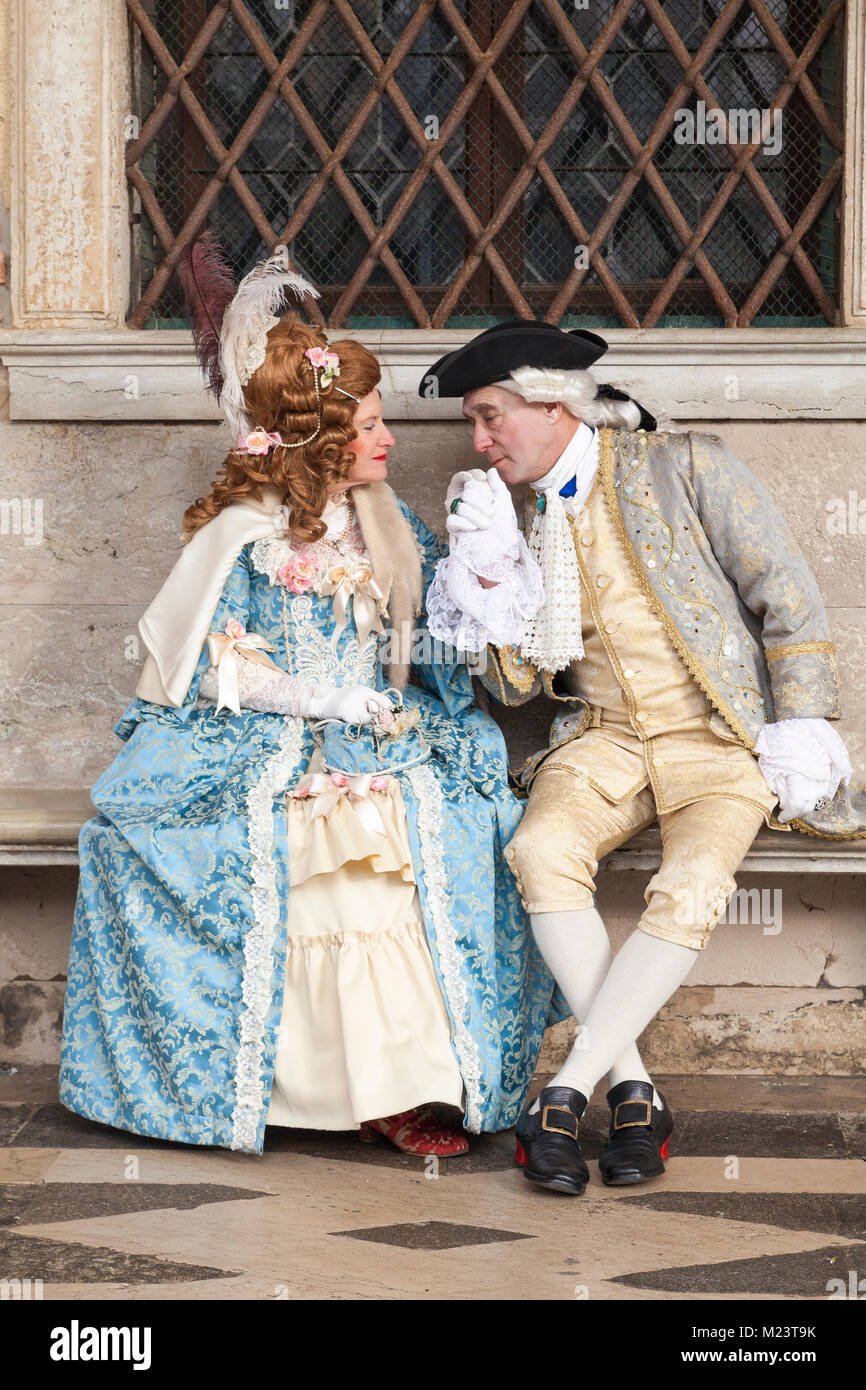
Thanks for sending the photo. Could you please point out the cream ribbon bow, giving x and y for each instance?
(329, 789)
(224, 652)
(358, 583)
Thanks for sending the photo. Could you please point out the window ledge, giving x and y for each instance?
(692, 374)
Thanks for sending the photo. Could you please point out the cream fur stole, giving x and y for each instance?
(176, 624)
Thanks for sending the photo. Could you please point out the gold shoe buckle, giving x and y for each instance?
(629, 1124)
(557, 1129)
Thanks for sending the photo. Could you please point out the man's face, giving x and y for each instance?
(522, 441)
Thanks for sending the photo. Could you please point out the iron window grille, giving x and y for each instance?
(456, 162)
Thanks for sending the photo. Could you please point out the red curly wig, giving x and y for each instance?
(281, 395)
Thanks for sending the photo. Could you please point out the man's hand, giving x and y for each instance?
(484, 503)
(804, 761)
(475, 509)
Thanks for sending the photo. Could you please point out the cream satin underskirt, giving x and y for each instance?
(364, 1031)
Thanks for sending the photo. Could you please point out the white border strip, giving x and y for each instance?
(259, 940)
(433, 861)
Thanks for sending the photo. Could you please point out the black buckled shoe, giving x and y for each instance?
(548, 1146)
(639, 1135)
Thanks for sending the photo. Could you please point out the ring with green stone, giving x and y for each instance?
(456, 503)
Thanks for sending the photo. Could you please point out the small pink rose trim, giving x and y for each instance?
(329, 362)
(258, 442)
(299, 574)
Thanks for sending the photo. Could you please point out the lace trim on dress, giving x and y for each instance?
(262, 689)
(269, 555)
(313, 655)
(433, 859)
(250, 1097)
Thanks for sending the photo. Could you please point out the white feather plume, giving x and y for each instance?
(248, 319)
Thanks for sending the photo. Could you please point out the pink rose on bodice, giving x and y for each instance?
(299, 573)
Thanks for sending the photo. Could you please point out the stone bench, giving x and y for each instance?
(41, 825)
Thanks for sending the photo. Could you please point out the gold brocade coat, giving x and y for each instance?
(731, 587)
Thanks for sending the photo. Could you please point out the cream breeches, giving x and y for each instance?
(569, 827)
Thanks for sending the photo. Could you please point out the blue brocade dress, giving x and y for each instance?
(197, 983)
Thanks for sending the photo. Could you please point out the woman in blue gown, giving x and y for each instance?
(293, 905)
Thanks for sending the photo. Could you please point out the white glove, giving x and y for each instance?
(354, 704)
(803, 761)
(485, 504)
(276, 692)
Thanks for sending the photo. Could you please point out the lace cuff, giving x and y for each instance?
(462, 612)
(269, 691)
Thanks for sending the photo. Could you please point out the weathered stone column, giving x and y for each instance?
(854, 203)
(69, 264)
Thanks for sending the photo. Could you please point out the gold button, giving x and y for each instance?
(602, 581)
(523, 900)
(611, 627)
(510, 853)
(658, 762)
(628, 673)
(640, 716)
(587, 539)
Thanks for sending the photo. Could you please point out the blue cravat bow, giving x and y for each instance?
(571, 487)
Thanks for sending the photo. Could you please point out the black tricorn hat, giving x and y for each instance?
(494, 354)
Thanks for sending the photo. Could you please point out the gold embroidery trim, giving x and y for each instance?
(693, 666)
(798, 649)
(544, 753)
(826, 834)
(578, 772)
(692, 601)
(493, 672)
(522, 676)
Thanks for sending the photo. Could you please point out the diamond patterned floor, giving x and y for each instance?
(98, 1214)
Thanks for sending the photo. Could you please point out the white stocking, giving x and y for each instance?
(576, 947)
(641, 979)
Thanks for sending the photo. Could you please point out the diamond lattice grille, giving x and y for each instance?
(451, 164)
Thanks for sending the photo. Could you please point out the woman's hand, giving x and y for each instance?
(353, 704)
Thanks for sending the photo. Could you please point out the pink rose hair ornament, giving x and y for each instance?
(230, 327)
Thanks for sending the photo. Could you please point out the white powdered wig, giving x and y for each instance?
(578, 392)
(248, 319)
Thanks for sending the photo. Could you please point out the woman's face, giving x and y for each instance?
(374, 439)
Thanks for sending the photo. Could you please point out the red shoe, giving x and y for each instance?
(416, 1132)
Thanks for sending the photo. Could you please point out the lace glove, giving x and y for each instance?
(274, 692)
(803, 761)
(486, 543)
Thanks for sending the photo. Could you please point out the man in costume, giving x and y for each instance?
(685, 636)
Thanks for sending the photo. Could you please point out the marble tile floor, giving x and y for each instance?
(764, 1197)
